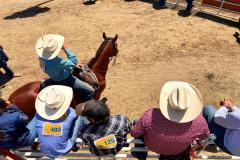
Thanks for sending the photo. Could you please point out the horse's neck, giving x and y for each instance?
(101, 65)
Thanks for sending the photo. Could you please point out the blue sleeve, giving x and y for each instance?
(69, 63)
(22, 119)
(229, 120)
(71, 56)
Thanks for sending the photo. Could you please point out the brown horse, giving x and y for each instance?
(24, 97)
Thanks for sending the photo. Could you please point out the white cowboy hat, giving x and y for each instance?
(53, 101)
(49, 46)
(180, 101)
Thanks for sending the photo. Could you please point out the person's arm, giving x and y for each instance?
(140, 127)
(129, 124)
(227, 119)
(66, 64)
(71, 56)
(23, 119)
(205, 131)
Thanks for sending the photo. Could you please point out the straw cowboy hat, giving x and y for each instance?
(53, 101)
(180, 101)
(49, 46)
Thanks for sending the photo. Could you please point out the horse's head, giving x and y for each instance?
(107, 50)
(110, 45)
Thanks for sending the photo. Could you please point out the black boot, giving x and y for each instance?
(75, 147)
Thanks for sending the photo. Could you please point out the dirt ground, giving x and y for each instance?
(155, 46)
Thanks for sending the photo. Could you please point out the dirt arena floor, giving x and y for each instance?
(155, 46)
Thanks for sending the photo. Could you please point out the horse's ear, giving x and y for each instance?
(115, 38)
(104, 36)
(103, 100)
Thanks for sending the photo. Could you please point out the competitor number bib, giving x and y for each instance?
(52, 129)
(107, 142)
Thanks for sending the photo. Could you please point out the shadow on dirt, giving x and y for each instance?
(29, 12)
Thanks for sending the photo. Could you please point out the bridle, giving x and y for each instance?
(100, 50)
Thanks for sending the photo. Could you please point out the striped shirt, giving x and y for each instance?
(118, 125)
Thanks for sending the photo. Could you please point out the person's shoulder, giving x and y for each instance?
(122, 116)
(52, 61)
(71, 112)
(200, 120)
(70, 109)
(151, 111)
(13, 112)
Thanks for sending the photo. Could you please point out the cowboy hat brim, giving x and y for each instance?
(41, 52)
(53, 114)
(175, 115)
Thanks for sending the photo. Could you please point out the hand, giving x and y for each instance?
(81, 65)
(226, 102)
(65, 45)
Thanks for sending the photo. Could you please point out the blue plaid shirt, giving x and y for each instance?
(118, 125)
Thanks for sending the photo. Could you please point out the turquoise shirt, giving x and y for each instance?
(54, 135)
(59, 69)
(230, 121)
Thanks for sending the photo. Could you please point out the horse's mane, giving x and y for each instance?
(99, 51)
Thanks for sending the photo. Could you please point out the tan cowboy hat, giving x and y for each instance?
(49, 46)
(53, 101)
(180, 101)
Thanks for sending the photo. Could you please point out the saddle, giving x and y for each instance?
(83, 73)
(87, 75)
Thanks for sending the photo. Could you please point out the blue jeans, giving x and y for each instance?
(189, 5)
(79, 123)
(219, 131)
(84, 89)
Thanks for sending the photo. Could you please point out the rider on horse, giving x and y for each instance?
(59, 70)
